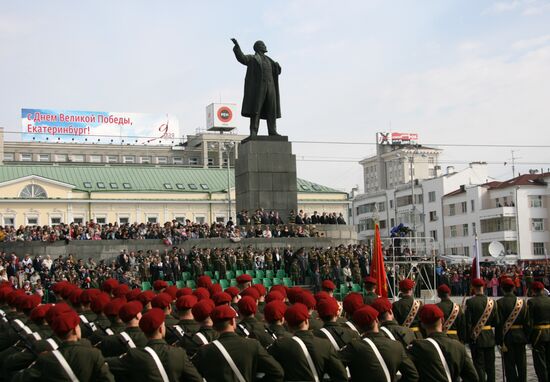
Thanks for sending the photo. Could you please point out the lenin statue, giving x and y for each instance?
(261, 88)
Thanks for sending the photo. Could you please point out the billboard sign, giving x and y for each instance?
(393, 138)
(220, 117)
(46, 125)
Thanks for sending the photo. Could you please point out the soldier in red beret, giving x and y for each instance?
(389, 326)
(406, 309)
(157, 361)
(101, 323)
(244, 281)
(145, 298)
(454, 323)
(249, 326)
(204, 281)
(538, 307)
(222, 298)
(232, 357)
(164, 301)
(296, 354)
(439, 357)
(328, 286)
(186, 326)
(74, 358)
(351, 303)
(338, 335)
(131, 337)
(362, 356)
(274, 314)
(159, 285)
(261, 299)
(108, 286)
(206, 334)
(370, 288)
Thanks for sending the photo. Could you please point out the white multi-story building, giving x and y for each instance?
(514, 213)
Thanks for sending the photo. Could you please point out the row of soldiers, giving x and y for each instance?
(246, 334)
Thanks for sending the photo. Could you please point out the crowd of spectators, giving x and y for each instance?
(261, 216)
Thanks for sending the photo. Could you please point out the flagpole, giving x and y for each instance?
(477, 275)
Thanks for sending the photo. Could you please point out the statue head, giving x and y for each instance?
(259, 47)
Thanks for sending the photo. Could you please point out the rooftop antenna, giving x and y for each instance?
(513, 162)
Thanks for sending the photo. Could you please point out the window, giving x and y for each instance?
(179, 219)
(464, 207)
(535, 201)
(78, 158)
(55, 220)
(467, 251)
(43, 157)
(127, 186)
(200, 219)
(498, 224)
(9, 221)
(162, 160)
(112, 158)
(193, 161)
(433, 234)
(224, 162)
(433, 216)
(152, 219)
(537, 224)
(32, 220)
(129, 159)
(123, 220)
(391, 203)
(453, 230)
(210, 161)
(180, 186)
(87, 185)
(431, 160)
(26, 157)
(95, 158)
(205, 186)
(472, 205)
(61, 157)
(474, 228)
(220, 219)
(114, 186)
(452, 210)
(381, 207)
(33, 191)
(454, 251)
(382, 224)
(177, 160)
(101, 220)
(538, 248)
(192, 186)
(431, 196)
(465, 230)
(392, 222)
(78, 220)
(168, 186)
(100, 185)
(8, 157)
(144, 159)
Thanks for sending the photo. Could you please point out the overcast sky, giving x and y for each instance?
(452, 71)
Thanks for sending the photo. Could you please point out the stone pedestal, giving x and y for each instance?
(265, 175)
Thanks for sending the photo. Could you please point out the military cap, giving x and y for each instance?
(328, 285)
(67, 290)
(113, 307)
(130, 310)
(244, 278)
(88, 294)
(202, 309)
(58, 286)
(133, 294)
(215, 288)
(352, 302)
(204, 281)
(321, 296)
(222, 313)
(99, 302)
(274, 310)
(4, 291)
(260, 288)
(172, 290)
(279, 288)
(221, 298)
(159, 284)
(184, 292)
(443, 289)
(13, 296)
(537, 285)
(30, 302)
(151, 321)
(292, 293)
(201, 293)
(365, 316)
(406, 285)
(56, 310)
(39, 313)
(296, 314)
(327, 308)
(370, 280)
(382, 305)
(145, 297)
(65, 322)
(109, 285)
(161, 301)
(430, 313)
(186, 302)
(274, 296)
(478, 282)
(307, 299)
(507, 282)
(121, 290)
(75, 295)
(232, 291)
(247, 306)
(251, 292)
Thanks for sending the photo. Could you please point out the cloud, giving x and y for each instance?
(525, 7)
(531, 42)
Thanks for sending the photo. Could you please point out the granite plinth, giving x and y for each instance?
(265, 175)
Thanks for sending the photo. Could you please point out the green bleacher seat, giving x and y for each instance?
(229, 275)
(146, 285)
(344, 290)
(238, 272)
(185, 276)
(281, 273)
(170, 283)
(251, 273)
(233, 282)
(260, 274)
(191, 284)
(224, 284)
(356, 288)
(256, 281)
(217, 275)
(214, 281)
(287, 282)
(267, 282)
(180, 284)
(269, 274)
(209, 274)
(277, 281)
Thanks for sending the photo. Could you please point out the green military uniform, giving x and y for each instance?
(116, 345)
(170, 320)
(247, 354)
(252, 328)
(483, 348)
(99, 335)
(402, 334)
(401, 309)
(192, 343)
(23, 359)
(538, 311)
(513, 343)
(174, 335)
(315, 323)
(342, 335)
(277, 331)
(86, 363)
(364, 365)
(370, 297)
(429, 365)
(139, 365)
(457, 330)
(290, 355)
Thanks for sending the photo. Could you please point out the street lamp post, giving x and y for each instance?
(227, 148)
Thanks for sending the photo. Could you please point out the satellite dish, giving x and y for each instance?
(496, 249)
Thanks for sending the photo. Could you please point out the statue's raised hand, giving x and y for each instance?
(235, 41)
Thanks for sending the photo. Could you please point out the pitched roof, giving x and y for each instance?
(139, 178)
(522, 180)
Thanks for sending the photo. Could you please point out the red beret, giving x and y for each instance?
(133, 294)
(145, 297)
(247, 306)
(58, 286)
(443, 289)
(186, 302)
(30, 302)
(365, 316)
(129, 310)
(202, 309)
(478, 282)
(109, 285)
(406, 285)
(232, 291)
(251, 292)
(292, 293)
(161, 301)
(352, 302)
(321, 296)
(159, 284)
(430, 313)
(13, 296)
(507, 282)
(328, 285)
(215, 288)
(307, 299)
(279, 288)
(370, 280)
(99, 302)
(4, 291)
(39, 313)
(113, 307)
(328, 308)
(382, 305)
(65, 322)
(75, 295)
(151, 321)
(223, 313)
(56, 310)
(172, 290)
(204, 281)
(296, 314)
(274, 310)
(221, 298)
(121, 290)
(184, 292)
(201, 293)
(274, 296)
(67, 290)
(244, 278)
(260, 288)
(88, 294)
(537, 285)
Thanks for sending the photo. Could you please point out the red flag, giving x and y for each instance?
(377, 269)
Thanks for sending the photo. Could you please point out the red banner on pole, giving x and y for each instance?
(377, 268)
